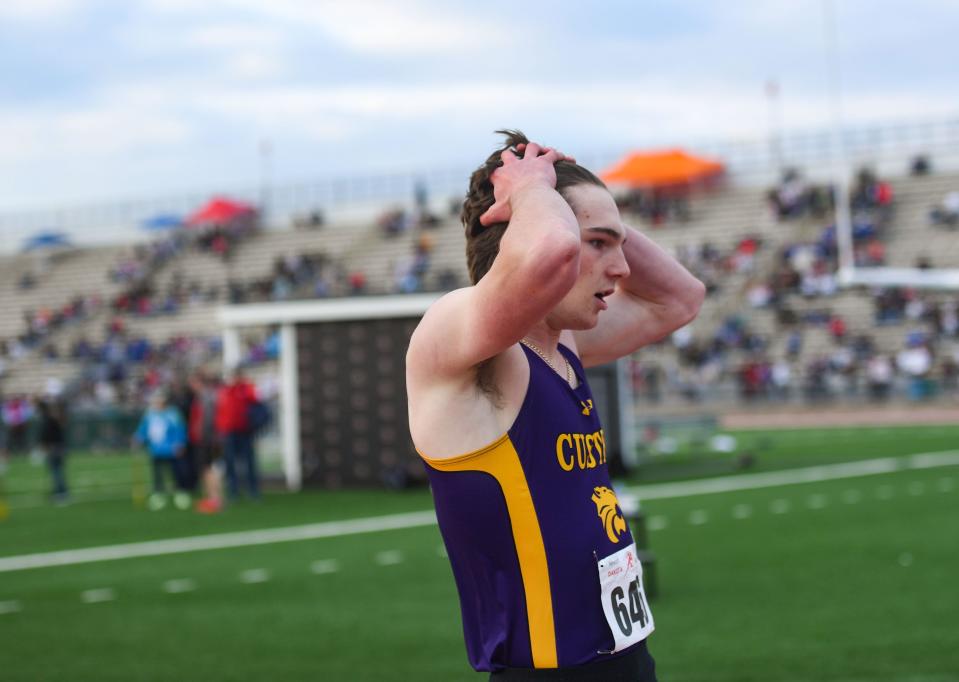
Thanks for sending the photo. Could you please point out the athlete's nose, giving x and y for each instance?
(619, 268)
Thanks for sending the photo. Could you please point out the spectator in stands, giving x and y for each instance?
(447, 280)
(235, 401)
(870, 192)
(759, 294)
(789, 199)
(837, 327)
(52, 436)
(879, 375)
(915, 362)
(946, 214)
(890, 304)
(872, 254)
(423, 216)
(794, 344)
(946, 319)
(781, 379)
(950, 373)
(313, 220)
(163, 432)
(394, 222)
(220, 245)
(920, 165)
(357, 280)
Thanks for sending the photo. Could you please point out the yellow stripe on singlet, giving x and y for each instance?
(501, 461)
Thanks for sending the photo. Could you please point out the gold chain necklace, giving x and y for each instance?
(533, 347)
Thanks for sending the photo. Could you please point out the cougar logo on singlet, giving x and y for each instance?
(607, 506)
(587, 406)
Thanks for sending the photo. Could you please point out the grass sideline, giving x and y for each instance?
(838, 580)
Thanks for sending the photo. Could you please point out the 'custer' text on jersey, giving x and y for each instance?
(580, 450)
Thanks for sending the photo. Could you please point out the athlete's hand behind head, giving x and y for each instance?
(535, 166)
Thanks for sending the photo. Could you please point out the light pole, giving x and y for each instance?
(774, 112)
(840, 165)
(265, 149)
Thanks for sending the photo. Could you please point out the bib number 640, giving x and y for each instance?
(624, 602)
(629, 608)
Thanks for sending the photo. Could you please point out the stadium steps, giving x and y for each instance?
(254, 258)
(912, 235)
(78, 272)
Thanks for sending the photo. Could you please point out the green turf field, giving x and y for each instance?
(850, 579)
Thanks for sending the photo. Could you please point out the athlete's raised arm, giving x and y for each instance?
(536, 265)
(657, 297)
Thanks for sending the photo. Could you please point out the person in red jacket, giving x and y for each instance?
(235, 399)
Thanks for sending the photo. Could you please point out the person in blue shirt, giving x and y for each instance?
(163, 432)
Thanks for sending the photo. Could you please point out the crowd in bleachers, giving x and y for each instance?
(656, 207)
(763, 367)
(853, 367)
(713, 265)
(41, 324)
(794, 278)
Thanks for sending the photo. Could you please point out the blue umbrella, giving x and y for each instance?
(162, 222)
(45, 240)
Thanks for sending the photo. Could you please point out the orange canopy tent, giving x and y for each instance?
(666, 168)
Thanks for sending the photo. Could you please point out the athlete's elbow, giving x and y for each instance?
(691, 301)
(558, 255)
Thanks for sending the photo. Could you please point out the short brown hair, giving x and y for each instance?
(482, 242)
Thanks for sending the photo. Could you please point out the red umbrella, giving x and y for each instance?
(220, 210)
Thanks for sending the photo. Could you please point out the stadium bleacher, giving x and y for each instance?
(720, 218)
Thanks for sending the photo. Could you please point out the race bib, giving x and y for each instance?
(624, 601)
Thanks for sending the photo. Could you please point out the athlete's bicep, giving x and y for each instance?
(448, 340)
(473, 324)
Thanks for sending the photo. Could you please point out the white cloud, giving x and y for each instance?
(91, 133)
(378, 27)
(185, 75)
(251, 66)
(232, 37)
(38, 11)
(383, 27)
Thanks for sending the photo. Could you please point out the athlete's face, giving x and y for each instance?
(601, 261)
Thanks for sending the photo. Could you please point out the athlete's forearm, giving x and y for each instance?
(658, 278)
(542, 223)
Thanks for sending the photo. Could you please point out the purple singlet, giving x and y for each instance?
(524, 521)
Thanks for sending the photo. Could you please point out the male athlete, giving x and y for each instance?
(549, 583)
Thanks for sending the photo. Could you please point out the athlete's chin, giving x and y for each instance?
(584, 323)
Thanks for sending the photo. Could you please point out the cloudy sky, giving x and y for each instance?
(108, 99)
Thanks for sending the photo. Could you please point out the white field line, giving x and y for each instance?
(98, 595)
(780, 506)
(179, 586)
(12, 606)
(826, 472)
(254, 576)
(197, 543)
(324, 566)
(390, 557)
(428, 518)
